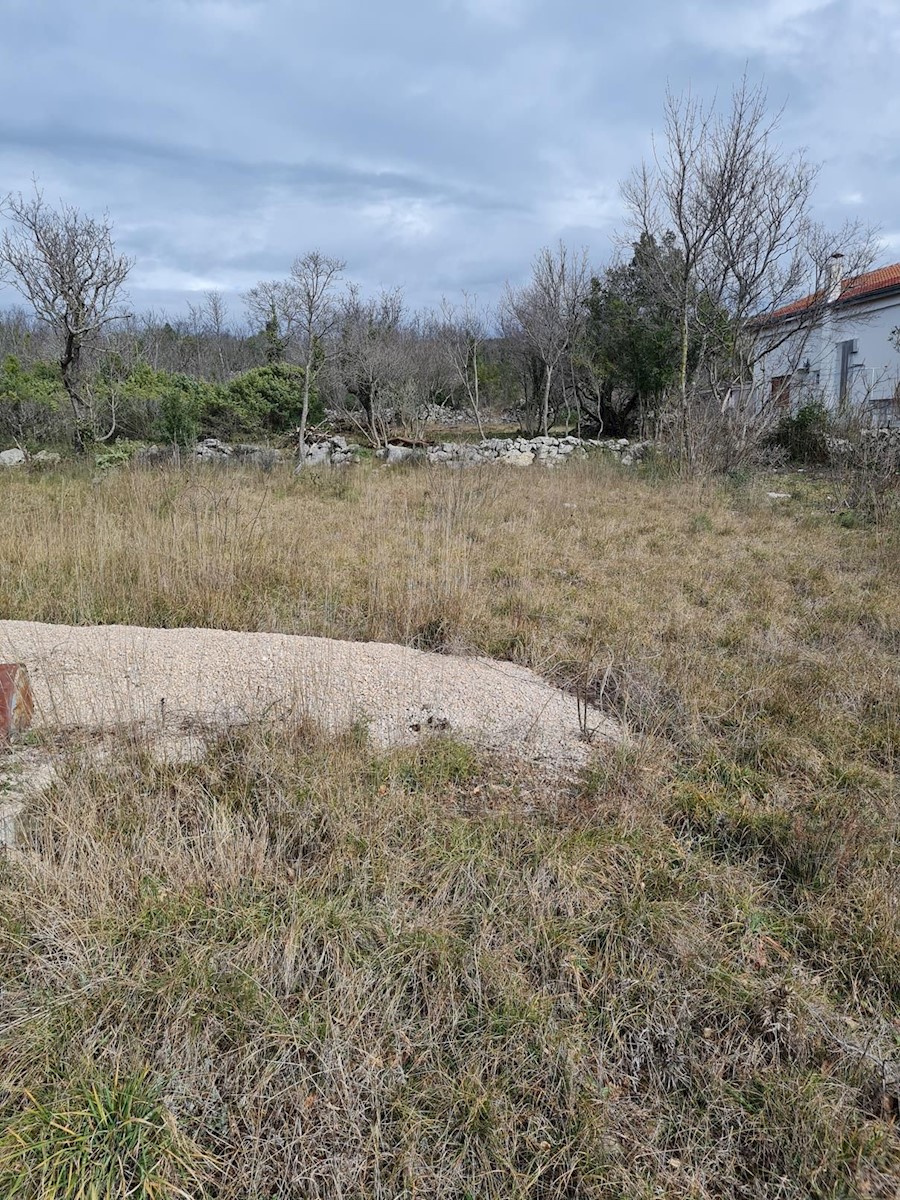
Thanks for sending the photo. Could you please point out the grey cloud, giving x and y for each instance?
(435, 145)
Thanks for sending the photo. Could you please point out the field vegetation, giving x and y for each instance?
(301, 966)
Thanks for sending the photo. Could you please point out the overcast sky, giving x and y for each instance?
(435, 144)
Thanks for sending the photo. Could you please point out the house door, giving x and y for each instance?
(781, 392)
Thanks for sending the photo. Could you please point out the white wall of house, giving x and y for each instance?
(865, 374)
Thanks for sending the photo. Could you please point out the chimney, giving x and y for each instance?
(834, 277)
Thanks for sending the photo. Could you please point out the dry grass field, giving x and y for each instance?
(301, 967)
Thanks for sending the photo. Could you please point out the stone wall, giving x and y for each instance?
(516, 452)
(337, 451)
(522, 452)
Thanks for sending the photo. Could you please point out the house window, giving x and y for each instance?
(886, 409)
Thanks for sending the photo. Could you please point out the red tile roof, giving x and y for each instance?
(857, 287)
(872, 281)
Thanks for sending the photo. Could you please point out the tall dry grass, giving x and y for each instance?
(307, 969)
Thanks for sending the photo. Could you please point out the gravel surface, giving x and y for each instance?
(104, 675)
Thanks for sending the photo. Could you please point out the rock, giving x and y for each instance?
(779, 495)
(440, 414)
(316, 456)
(519, 452)
(12, 458)
(426, 719)
(518, 458)
(215, 450)
(395, 455)
(44, 459)
(212, 449)
(331, 451)
(264, 457)
(157, 456)
(255, 453)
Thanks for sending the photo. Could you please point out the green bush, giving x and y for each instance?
(181, 407)
(117, 454)
(804, 434)
(33, 406)
(155, 405)
(269, 399)
(178, 408)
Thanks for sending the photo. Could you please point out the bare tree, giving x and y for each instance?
(548, 311)
(464, 333)
(300, 314)
(371, 358)
(275, 300)
(215, 311)
(214, 341)
(66, 265)
(314, 278)
(739, 208)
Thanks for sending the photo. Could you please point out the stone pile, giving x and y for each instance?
(336, 451)
(214, 450)
(15, 457)
(440, 414)
(884, 435)
(879, 446)
(332, 451)
(210, 450)
(522, 452)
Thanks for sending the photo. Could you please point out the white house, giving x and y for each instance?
(838, 347)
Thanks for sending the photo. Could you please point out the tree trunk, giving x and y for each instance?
(368, 402)
(476, 404)
(685, 441)
(545, 400)
(70, 365)
(304, 411)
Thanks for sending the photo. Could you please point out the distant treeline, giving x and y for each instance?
(672, 341)
(383, 367)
